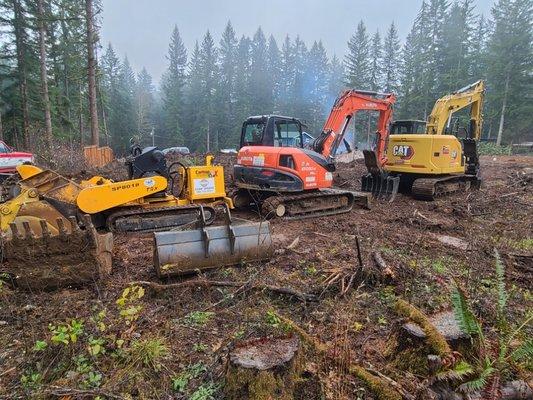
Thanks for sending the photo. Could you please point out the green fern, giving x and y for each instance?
(478, 383)
(465, 318)
(460, 370)
(524, 352)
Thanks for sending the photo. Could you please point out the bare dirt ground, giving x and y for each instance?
(174, 343)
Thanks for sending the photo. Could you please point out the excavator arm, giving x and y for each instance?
(440, 117)
(344, 108)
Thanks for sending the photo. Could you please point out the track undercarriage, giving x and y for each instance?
(316, 203)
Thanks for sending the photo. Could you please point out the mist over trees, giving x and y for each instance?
(206, 92)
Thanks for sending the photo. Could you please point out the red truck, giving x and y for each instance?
(9, 159)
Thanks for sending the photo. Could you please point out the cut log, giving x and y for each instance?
(264, 369)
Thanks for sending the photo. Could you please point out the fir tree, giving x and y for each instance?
(287, 72)
(391, 60)
(318, 92)
(510, 65)
(357, 60)
(226, 118)
(274, 69)
(242, 84)
(172, 88)
(260, 87)
(144, 103)
(376, 55)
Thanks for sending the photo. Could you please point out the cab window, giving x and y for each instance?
(408, 127)
(253, 134)
(4, 148)
(287, 134)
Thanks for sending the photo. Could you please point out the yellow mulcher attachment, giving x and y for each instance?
(48, 226)
(43, 248)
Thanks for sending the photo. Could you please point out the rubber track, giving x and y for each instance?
(140, 212)
(432, 188)
(272, 202)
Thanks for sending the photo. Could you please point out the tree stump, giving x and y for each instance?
(264, 369)
(409, 350)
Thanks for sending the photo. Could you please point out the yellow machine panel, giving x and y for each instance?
(94, 199)
(424, 154)
(206, 181)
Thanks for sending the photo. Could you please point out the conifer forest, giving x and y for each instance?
(266, 200)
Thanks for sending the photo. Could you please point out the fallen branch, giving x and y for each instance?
(384, 270)
(159, 288)
(78, 393)
(378, 386)
(392, 382)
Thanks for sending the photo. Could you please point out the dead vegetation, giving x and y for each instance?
(334, 283)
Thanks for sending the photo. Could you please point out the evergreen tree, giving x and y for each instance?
(172, 89)
(274, 70)
(318, 92)
(408, 80)
(391, 60)
(242, 84)
(287, 72)
(120, 87)
(226, 118)
(357, 60)
(376, 63)
(457, 41)
(193, 99)
(260, 85)
(300, 89)
(510, 64)
(144, 104)
(478, 63)
(202, 134)
(335, 79)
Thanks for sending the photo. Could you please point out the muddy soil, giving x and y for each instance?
(198, 325)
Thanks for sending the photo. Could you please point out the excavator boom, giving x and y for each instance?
(345, 107)
(435, 161)
(472, 95)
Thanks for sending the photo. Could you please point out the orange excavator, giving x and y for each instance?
(276, 170)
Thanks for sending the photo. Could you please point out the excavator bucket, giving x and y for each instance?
(382, 186)
(184, 252)
(44, 254)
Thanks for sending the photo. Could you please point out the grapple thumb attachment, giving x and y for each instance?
(44, 255)
(382, 186)
(184, 252)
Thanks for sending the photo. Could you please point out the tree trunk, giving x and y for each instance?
(44, 77)
(502, 116)
(91, 72)
(21, 67)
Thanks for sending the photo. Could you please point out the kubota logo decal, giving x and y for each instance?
(403, 151)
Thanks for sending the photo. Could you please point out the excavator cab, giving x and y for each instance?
(407, 127)
(272, 130)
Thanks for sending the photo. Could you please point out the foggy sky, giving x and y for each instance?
(141, 28)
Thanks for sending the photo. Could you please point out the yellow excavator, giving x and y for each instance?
(428, 158)
(51, 227)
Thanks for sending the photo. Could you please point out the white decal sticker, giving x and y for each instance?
(310, 179)
(258, 161)
(329, 176)
(150, 182)
(204, 186)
